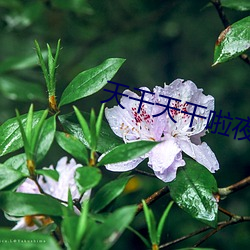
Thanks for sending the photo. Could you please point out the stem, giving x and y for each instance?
(222, 15)
(144, 173)
(224, 211)
(226, 23)
(152, 198)
(235, 220)
(224, 192)
(42, 192)
(204, 229)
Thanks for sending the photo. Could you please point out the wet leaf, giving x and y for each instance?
(20, 204)
(193, 191)
(46, 137)
(108, 193)
(126, 152)
(87, 177)
(73, 146)
(53, 174)
(107, 138)
(233, 41)
(90, 81)
(18, 162)
(10, 136)
(241, 5)
(9, 175)
(105, 235)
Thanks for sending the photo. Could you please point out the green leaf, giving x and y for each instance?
(52, 65)
(19, 90)
(37, 133)
(20, 204)
(99, 121)
(162, 221)
(105, 235)
(8, 176)
(151, 223)
(82, 223)
(43, 65)
(233, 41)
(92, 128)
(47, 229)
(22, 131)
(73, 146)
(74, 228)
(90, 81)
(193, 191)
(16, 240)
(143, 239)
(28, 126)
(107, 139)
(46, 137)
(53, 174)
(126, 152)
(241, 5)
(19, 63)
(18, 162)
(108, 193)
(70, 201)
(10, 136)
(84, 125)
(87, 177)
(69, 230)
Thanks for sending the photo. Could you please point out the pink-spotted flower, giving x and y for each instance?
(58, 189)
(172, 128)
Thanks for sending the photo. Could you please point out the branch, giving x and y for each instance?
(223, 192)
(144, 173)
(226, 23)
(204, 229)
(152, 198)
(235, 220)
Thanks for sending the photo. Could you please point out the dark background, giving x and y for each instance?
(161, 41)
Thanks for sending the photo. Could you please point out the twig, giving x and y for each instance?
(152, 198)
(144, 173)
(226, 23)
(224, 211)
(235, 220)
(223, 192)
(222, 15)
(42, 192)
(204, 229)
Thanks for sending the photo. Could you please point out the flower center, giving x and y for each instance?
(177, 114)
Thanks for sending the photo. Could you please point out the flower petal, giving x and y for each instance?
(29, 187)
(125, 166)
(201, 153)
(165, 158)
(65, 182)
(186, 91)
(21, 225)
(131, 125)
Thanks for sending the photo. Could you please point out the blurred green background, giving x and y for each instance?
(161, 41)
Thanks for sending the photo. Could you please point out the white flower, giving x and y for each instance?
(172, 128)
(58, 189)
